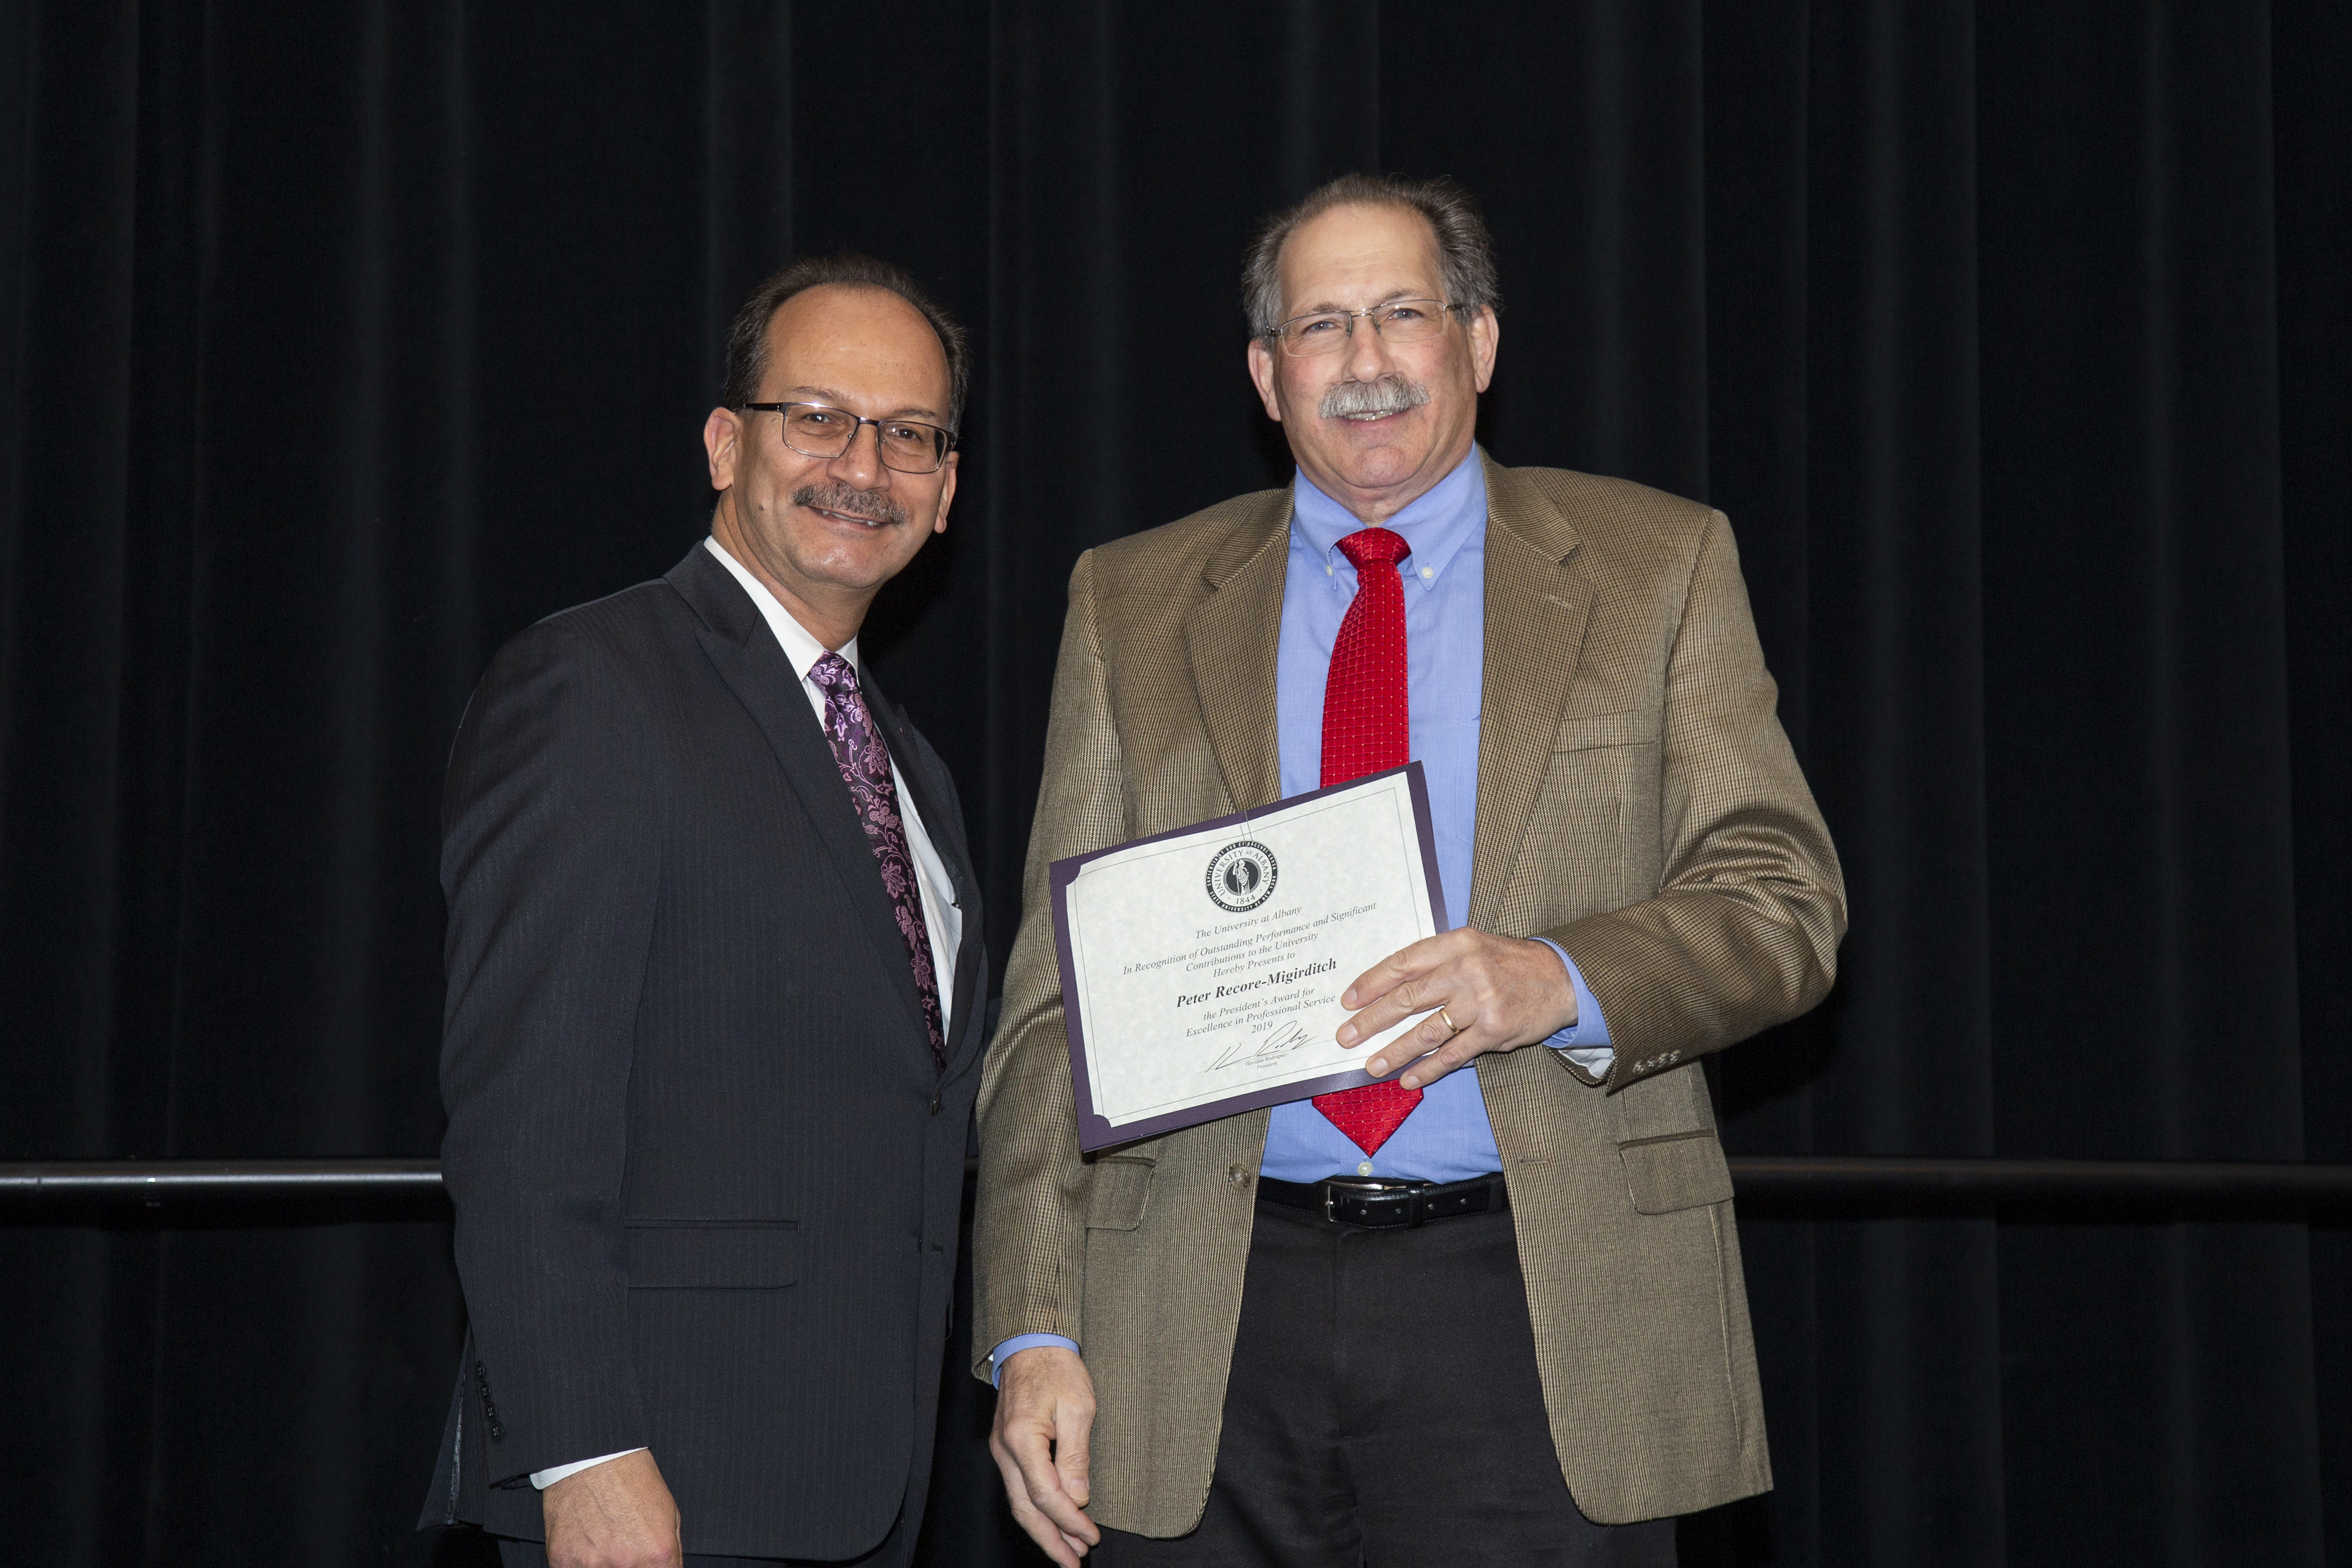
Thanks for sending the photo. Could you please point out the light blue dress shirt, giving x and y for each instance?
(1448, 1137)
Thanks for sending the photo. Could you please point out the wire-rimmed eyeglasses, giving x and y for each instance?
(821, 430)
(1396, 321)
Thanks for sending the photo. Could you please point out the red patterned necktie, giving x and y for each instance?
(864, 764)
(1368, 727)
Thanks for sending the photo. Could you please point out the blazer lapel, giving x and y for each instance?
(744, 652)
(944, 822)
(1231, 638)
(1538, 602)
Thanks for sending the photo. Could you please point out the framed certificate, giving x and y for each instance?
(1201, 969)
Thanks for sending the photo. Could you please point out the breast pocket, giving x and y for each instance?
(1602, 791)
(1633, 727)
(711, 1255)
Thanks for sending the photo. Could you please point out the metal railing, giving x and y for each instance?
(218, 1192)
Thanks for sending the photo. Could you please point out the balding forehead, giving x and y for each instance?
(1374, 252)
(814, 321)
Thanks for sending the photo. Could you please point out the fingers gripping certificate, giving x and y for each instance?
(1201, 969)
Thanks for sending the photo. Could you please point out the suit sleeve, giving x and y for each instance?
(1743, 931)
(551, 863)
(1028, 1239)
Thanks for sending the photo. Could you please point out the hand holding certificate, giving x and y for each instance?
(1201, 969)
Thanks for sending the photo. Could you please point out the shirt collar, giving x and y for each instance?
(799, 645)
(1436, 523)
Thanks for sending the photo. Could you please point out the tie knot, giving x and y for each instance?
(1374, 546)
(833, 674)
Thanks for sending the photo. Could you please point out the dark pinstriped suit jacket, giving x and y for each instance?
(706, 1178)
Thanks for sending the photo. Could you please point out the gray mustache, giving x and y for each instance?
(1390, 394)
(834, 496)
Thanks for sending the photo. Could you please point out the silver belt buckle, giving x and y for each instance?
(1332, 1188)
(1372, 1189)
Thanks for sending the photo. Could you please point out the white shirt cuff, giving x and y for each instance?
(543, 1480)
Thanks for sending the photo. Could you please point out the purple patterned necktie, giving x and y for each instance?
(865, 765)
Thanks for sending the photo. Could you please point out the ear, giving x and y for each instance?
(1261, 370)
(947, 494)
(722, 435)
(1485, 336)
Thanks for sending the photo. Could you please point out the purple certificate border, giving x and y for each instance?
(1095, 1131)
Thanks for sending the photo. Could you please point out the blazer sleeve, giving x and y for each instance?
(1744, 929)
(1028, 1226)
(551, 866)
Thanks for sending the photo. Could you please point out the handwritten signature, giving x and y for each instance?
(1279, 1044)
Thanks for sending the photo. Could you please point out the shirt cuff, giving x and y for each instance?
(1014, 1346)
(543, 1480)
(1586, 1041)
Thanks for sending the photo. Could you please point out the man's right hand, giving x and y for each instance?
(1044, 1415)
(618, 1514)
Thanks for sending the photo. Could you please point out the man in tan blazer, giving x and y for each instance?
(1450, 1318)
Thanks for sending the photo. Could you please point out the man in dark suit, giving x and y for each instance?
(714, 1014)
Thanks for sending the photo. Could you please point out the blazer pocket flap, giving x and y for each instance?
(1121, 1190)
(1679, 1172)
(1630, 727)
(741, 1255)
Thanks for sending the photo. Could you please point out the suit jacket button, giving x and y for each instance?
(935, 1104)
(1238, 1175)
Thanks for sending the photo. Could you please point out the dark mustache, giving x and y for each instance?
(834, 496)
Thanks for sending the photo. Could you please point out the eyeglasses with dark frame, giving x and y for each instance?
(821, 430)
(1327, 332)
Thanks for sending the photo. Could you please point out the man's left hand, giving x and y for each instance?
(1497, 993)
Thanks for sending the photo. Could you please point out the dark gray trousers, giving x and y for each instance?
(1384, 1411)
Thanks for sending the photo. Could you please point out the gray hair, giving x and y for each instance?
(1466, 251)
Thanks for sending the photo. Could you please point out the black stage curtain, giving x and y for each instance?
(342, 342)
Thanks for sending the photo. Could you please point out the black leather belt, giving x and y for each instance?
(1346, 1200)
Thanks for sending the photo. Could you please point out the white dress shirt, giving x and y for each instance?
(941, 915)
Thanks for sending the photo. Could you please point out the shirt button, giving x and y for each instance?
(1365, 1169)
(1427, 573)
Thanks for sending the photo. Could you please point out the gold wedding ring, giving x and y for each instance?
(1451, 1026)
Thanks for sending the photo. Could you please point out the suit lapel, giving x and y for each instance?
(1231, 638)
(1538, 604)
(744, 652)
(944, 824)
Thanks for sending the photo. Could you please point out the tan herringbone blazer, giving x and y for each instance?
(1638, 803)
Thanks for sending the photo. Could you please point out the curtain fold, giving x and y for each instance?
(2137, 694)
(339, 344)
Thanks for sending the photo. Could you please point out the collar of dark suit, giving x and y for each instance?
(715, 595)
(728, 610)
